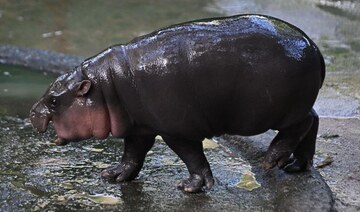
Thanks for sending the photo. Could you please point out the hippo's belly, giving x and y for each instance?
(208, 82)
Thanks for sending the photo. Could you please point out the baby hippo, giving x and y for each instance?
(239, 75)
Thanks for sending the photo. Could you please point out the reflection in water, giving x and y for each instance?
(143, 200)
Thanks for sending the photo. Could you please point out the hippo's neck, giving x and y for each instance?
(99, 69)
(127, 90)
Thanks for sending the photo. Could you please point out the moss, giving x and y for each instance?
(339, 12)
(355, 45)
(339, 57)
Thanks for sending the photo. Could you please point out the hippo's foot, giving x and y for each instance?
(297, 141)
(196, 183)
(287, 163)
(274, 158)
(125, 171)
(132, 161)
(191, 152)
(297, 165)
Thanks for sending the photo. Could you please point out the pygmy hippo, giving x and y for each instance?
(239, 75)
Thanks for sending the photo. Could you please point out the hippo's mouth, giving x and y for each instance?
(61, 142)
(40, 125)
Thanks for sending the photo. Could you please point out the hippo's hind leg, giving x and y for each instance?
(135, 150)
(304, 152)
(192, 154)
(297, 140)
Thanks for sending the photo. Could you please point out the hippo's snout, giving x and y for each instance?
(40, 117)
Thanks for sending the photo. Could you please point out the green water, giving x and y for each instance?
(19, 89)
(86, 27)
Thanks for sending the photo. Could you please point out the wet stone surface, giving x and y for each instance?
(37, 175)
(338, 148)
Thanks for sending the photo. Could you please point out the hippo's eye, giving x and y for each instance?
(52, 102)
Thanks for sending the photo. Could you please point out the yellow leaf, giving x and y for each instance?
(104, 199)
(101, 165)
(209, 144)
(248, 182)
(94, 149)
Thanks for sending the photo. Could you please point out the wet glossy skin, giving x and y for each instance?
(238, 75)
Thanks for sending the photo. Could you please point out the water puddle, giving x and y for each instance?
(20, 183)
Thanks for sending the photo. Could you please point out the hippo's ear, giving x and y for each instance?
(83, 87)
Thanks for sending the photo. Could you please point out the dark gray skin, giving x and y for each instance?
(238, 75)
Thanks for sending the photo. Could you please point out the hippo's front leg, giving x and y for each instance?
(132, 160)
(192, 153)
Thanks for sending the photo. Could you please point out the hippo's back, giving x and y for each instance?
(237, 75)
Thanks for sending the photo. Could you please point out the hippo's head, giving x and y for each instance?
(76, 108)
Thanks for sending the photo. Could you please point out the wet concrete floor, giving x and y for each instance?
(37, 175)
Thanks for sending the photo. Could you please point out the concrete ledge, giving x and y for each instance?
(38, 59)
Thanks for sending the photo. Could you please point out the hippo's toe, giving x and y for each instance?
(121, 172)
(297, 166)
(196, 183)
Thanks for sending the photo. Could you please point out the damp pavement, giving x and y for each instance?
(36, 175)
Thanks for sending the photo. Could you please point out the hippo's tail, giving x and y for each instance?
(323, 68)
(322, 61)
